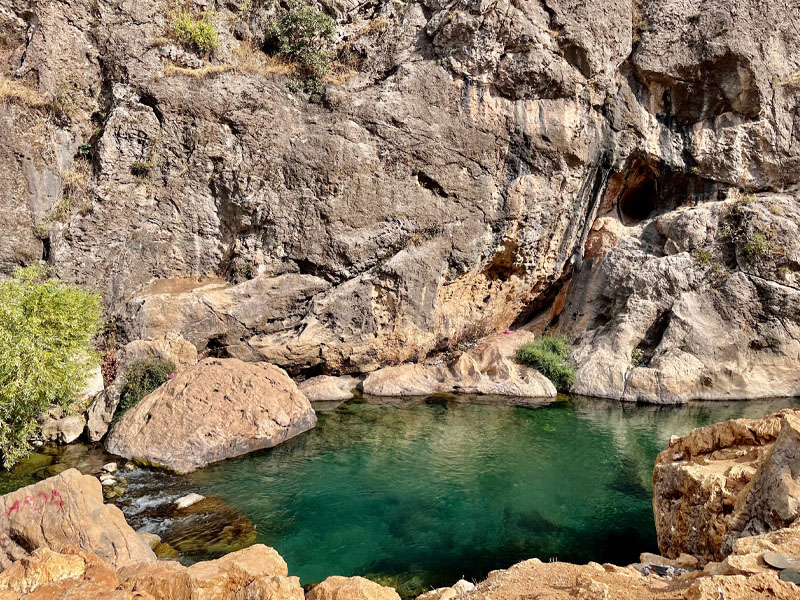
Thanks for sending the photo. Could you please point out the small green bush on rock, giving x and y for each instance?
(143, 377)
(196, 32)
(302, 34)
(550, 355)
(47, 328)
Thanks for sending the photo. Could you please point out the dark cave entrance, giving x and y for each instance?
(638, 193)
(645, 188)
(638, 203)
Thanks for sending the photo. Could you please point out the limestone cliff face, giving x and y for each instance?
(446, 188)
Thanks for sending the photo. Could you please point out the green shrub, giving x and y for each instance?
(550, 356)
(143, 377)
(756, 247)
(196, 32)
(46, 352)
(302, 34)
(637, 357)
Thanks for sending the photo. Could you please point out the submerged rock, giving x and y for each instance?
(63, 510)
(490, 367)
(218, 409)
(210, 526)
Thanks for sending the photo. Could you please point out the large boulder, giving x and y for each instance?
(701, 302)
(490, 367)
(218, 409)
(66, 510)
(351, 588)
(728, 480)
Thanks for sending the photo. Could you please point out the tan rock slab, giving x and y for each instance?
(351, 588)
(490, 367)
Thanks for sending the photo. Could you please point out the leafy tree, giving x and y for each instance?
(550, 356)
(46, 352)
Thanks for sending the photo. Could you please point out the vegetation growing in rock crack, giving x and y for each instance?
(47, 329)
(637, 357)
(195, 31)
(143, 168)
(550, 356)
(302, 34)
(741, 227)
(143, 377)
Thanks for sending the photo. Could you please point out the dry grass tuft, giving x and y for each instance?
(340, 74)
(20, 94)
(75, 179)
(248, 60)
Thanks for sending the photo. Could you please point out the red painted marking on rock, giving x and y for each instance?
(37, 503)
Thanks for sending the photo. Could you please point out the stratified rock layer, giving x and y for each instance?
(67, 510)
(722, 482)
(218, 409)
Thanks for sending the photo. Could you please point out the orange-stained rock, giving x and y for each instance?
(351, 588)
(67, 510)
(217, 409)
(42, 567)
(68, 575)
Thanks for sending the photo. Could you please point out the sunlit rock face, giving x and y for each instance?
(445, 191)
(717, 488)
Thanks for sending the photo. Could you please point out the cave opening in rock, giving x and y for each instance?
(639, 202)
(644, 188)
(639, 196)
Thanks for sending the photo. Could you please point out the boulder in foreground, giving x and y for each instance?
(351, 588)
(251, 574)
(67, 510)
(217, 409)
(725, 481)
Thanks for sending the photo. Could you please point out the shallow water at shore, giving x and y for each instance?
(419, 493)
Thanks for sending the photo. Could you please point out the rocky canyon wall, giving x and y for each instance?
(468, 162)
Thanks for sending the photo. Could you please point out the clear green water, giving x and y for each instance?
(424, 493)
